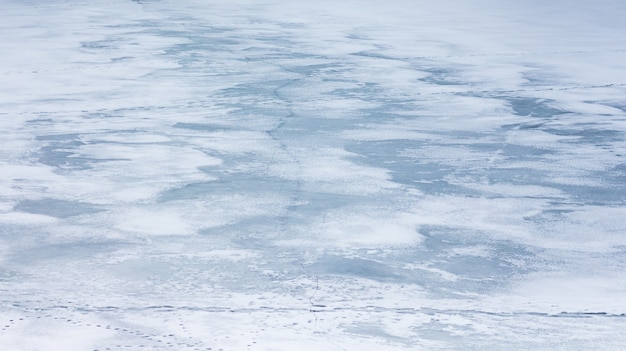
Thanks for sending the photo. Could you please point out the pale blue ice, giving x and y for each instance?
(280, 175)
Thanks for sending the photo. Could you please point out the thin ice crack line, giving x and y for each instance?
(375, 54)
(313, 305)
(290, 112)
(282, 146)
(317, 288)
(496, 93)
(295, 195)
(320, 308)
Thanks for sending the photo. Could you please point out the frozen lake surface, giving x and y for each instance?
(312, 175)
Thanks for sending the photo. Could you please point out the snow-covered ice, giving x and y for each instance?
(312, 175)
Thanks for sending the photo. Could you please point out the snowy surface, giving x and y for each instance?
(312, 175)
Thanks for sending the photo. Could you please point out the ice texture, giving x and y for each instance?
(312, 175)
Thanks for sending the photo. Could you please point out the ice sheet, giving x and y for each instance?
(279, 175)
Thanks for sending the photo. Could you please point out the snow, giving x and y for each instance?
(354, 175)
